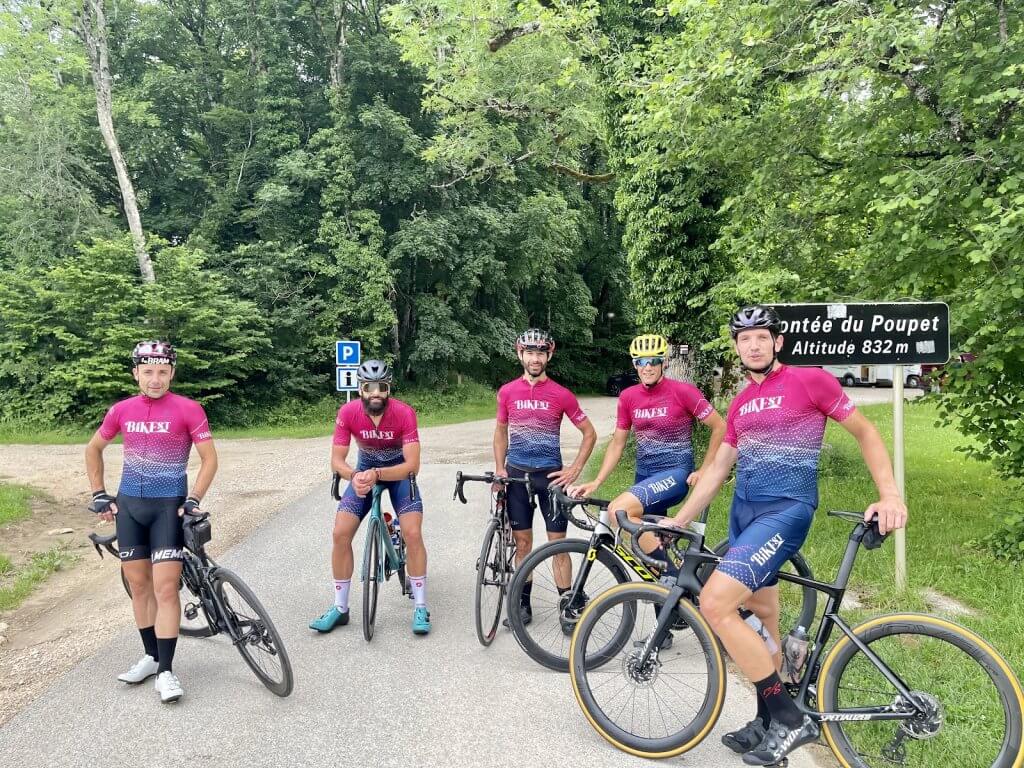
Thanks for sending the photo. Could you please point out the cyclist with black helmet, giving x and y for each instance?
(527, 443)
(385, 430)
(775, 428)
(159, 430)
(660, 412)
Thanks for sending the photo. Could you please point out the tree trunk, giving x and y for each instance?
(93, 28)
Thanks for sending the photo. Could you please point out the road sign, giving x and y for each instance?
(346, 378)
(888, 333)
(347, 353)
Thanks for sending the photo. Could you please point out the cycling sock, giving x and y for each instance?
(419, 590)
(778, 701)
(341, 588)
(561, 590)
(524, 598)
(763, 713)
(149, 642)
(165, 647)
(661, 554)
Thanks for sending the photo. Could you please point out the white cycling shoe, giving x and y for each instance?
(144, 669)
(169, 687)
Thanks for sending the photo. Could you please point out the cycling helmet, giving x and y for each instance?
(649, 345)
(154, 353)
(756, 316)
(535, 338)
(374, 370)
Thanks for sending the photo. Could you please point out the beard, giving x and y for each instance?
(375, 406)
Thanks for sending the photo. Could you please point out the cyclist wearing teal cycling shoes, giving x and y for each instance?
(775, 428)
(385, 430)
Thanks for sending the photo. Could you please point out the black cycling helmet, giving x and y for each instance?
(374, 370)
(154, 353)
(756, 316)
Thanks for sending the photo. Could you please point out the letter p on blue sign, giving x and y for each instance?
(347, 353)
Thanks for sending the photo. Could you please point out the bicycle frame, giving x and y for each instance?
(392, 559)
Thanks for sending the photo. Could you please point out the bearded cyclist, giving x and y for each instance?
(775, 431)
(661, 413)
(527, 444)
(385, 430)
(159, 429)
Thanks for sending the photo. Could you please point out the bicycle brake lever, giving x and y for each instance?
(96, 544)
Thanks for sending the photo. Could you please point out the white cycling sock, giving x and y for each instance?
(419, 590)
(341, 587)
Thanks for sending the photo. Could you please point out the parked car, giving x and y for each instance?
(620, 381)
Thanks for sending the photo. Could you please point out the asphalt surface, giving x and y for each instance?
(401, 700)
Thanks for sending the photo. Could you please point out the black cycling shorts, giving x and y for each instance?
(149, 528)
(520, 510)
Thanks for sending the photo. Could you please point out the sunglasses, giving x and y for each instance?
(536, 347)
(640, 362)
(374, 387)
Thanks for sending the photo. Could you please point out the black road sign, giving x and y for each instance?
(890, 333)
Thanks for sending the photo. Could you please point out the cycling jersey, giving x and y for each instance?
(661, 418)
(380, 445)
(777, 427)
(534, 417)
(158, 435)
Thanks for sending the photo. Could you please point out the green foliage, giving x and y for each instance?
(39, 568)
(14, 503)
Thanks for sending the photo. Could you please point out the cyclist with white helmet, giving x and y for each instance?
(775, 428)
(159, 430)
(527, 444)
(661, 413)
(385, 430)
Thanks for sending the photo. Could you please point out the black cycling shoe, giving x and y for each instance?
(746, 738)
(779, 740)
(525, 612)
(569, 615)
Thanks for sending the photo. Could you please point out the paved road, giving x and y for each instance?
(442, 700)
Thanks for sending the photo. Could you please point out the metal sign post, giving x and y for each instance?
(900, 539)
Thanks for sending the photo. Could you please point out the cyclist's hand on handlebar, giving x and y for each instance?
(498, 473)
(564, 476)
(890, 511)
(363, 482)
(103, 504)
(190, 507)
(582, 490)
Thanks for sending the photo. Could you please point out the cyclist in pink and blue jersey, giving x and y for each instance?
(774, 435)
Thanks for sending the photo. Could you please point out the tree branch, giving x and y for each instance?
(499, 41)
(589, 178)
(924, 95)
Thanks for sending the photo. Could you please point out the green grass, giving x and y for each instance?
(14, 503)
(6, 567)
(41, 566)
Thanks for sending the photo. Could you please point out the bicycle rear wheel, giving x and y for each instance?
(492, 575)
(257, 640)
(659, 707)
(972, 700)
(199, 626)
(371, 577)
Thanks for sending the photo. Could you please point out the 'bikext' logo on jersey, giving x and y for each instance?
(765, 553)
(660, 486)
(148, 427)
(759, 404)
(650, 413)
(533, 405)
(377, 434)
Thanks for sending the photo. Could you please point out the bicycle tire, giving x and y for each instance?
(910, 633)
(259, 633)
(527, 641)
(790, 616)
(491, 571)
(198, 627)
(641, 598)
(371, 583)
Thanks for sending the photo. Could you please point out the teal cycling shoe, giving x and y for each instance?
(420, 621)
(330, 619)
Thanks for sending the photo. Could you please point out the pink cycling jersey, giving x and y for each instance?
(661, 418)
(381, 445)
(534, 417)
(777, 427)
(158, 436)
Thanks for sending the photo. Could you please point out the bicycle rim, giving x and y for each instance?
(491, 580)
(259, 642)
(658, 708)
(972, 699)
(371, 584)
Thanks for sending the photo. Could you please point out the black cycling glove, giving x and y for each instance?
(101, 501)
(191, 506)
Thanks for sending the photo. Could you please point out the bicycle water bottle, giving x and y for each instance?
(396, 532)
(794, 654)
(391, 523)
(755, 624)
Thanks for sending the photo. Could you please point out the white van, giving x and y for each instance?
(848, 375)
(874, 375)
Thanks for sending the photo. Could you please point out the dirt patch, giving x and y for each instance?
(944, 604)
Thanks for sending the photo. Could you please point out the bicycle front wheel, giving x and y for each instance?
(659, 706)
(972, 701)
(492, 575)
(256, 637)
(371, 577)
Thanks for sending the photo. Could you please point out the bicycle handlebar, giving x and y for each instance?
(414, 489)
(564, 505)
(488, 477)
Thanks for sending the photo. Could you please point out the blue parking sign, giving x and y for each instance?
(347, 353)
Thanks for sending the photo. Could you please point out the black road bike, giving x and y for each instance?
(215, 600)
(601, 562)
(903, 689)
